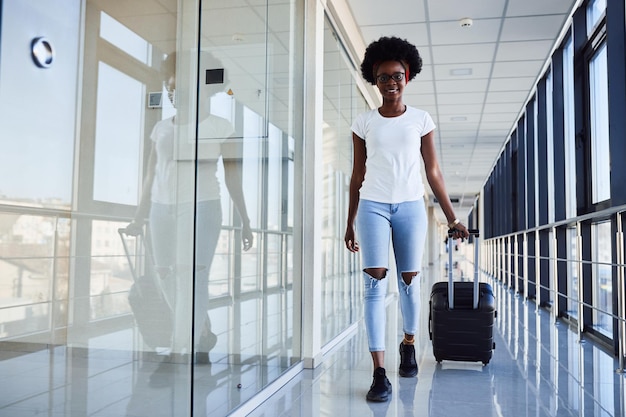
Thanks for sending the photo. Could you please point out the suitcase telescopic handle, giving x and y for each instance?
(123, 233)
(472, 232)
(476, 234)
(138, 233)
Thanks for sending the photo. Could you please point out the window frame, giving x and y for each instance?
(592, 45)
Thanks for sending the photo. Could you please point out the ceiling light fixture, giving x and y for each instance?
(460, 71)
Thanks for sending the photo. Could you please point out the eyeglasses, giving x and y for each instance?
(383, 78)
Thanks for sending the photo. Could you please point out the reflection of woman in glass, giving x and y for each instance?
(168, 202)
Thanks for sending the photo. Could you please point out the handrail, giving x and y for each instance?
(500, 268)
(566, 222)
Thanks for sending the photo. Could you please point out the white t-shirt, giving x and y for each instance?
(394, 160)
(173, 180)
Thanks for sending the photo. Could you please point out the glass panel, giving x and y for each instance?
(111, 276)
(249, 125)
(288, 160)
(38, 99)
(599, 103)
(572, 273)
(122, 37)
(219, 283)
(119, 126)
(595, 11)
(274, 257)
(602, 278)
(535, 156)
(274, 177)
(251, 263)
(550, 146)
(133, 240)
(252, 153)
(342, 101)
(569, 128)
(33, 288)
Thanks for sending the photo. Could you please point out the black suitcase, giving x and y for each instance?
(461, 326)
(150, 307)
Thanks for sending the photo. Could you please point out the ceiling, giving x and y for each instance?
(475, 80)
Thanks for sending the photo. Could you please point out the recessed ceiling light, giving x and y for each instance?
(458, 118)
(460, 71)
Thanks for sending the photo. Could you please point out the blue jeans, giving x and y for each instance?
(405, 225)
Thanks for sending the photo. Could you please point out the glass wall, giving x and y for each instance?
(341, 276)
(148, 253)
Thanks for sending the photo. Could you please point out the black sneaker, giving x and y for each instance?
(408, 365)
(381, 387)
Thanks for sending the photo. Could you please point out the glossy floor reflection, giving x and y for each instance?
(539, 369)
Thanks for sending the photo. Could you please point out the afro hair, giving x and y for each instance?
(390, 49)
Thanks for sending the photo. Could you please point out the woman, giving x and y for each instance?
(387, 199)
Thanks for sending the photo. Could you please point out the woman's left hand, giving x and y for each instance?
(247, 237)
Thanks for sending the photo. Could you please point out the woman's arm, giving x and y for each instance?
(143, 208)
(358, 174)
(233, 180)
(437, 184)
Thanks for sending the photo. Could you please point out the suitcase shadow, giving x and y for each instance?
(462, 388)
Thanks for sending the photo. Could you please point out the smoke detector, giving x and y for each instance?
(466, 22)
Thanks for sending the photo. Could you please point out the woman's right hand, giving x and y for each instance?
(134, 228)
(459, 231)
(351, 243)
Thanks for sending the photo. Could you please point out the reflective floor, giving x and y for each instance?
(539, 369)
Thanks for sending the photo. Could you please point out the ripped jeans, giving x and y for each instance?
(405, 225)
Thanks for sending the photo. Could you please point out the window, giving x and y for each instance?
(569, 129)
(128, 41)
(602, 287)
(535, 156)
(342, 101)
(599, 120)
(572, 273)
(550, 146)
(595, 12)
(110, 277)
(119, 136)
